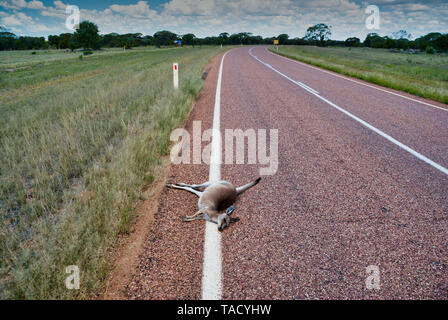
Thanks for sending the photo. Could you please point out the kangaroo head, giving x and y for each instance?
(223, 221)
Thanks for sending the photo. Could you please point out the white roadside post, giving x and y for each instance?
(176, 75)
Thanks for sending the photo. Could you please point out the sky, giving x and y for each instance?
(211, 17)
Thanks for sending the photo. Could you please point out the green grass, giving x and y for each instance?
(78, 142)
(421, 74)
(17, 59)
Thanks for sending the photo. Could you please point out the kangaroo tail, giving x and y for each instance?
(242, 189)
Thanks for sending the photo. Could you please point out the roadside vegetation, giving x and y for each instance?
(79, 139)
(422, 74)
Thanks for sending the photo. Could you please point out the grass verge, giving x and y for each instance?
(79, 139)
(421, 74)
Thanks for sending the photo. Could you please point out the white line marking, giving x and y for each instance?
(381, 133)
(212, 266)
(358, 82)
(306, 87)
(300, 84)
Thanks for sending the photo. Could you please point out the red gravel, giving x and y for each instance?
(344, 197)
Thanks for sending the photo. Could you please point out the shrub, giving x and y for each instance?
(34, 52)
(88, 52)
(430, 50)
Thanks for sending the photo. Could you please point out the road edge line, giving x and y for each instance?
(212, 264)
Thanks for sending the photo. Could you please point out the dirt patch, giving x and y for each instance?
(126, 257)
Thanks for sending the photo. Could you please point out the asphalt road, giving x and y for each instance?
(360, 183)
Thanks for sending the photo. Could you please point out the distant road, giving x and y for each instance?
(362, 181)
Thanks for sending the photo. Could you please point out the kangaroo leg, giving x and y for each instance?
(189, 219)
(194, 186)
(195, 215)
(240, 190)
(196, 192)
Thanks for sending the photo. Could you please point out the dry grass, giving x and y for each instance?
(78, 142)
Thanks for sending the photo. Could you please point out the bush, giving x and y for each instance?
(86, 53)
(34, 52)
(430, 50)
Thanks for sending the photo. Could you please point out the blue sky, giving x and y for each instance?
(210, 17)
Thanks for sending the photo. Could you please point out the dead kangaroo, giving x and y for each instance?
(215, 200)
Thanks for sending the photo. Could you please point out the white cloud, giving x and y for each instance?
(11, 21)
(59, 5)
(13, 4)
(191, 7)
(231, 7)
(19, 21)
(22, 4)
(35, 5)
(140, 9)
(263, 17)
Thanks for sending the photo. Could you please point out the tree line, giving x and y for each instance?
(87, 36)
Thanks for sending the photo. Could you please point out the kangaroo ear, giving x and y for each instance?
(230, 210)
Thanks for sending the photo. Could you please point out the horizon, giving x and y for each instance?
(206, 18)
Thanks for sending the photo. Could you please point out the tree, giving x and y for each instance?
(402, 43)
(223, 38)
(320, 33)
(54, 41)
(428, 40)
(72, 45)
(353, 42)
(283, 38)
(298, 41)
(432, 41)
(430, 50)
(236, 38)
(389, 43)
(7, 42)
(147, 40)
(164, 38)
(373, 40)
(65, 40)
(4, 32)
(442, 42)
(255, 40)
(245, 36)
(86, 35)
(189, 39)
